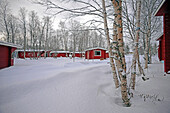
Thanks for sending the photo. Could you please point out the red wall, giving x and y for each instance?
(90, 54)
(107, 55)
(60, 55)
(167, 41)
(31, 54)
(65, 55)
(163, 48)
(47, 53)
(27, 54)
(6, 58)
(78, 55)
(164, 43)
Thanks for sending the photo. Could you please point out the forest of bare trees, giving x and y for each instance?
(33, 32)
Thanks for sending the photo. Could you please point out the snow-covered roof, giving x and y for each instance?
(95, 48)
(59, 52)
(30, 50)
(10, 44)
(163, 1)
(77, 52)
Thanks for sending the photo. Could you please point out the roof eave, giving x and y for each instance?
(157, 10)
(10, 44)
(95, 48)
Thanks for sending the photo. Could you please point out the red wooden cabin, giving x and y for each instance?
(59, 53)
(7, 55)
(32, 53)
(95, 53)
(164, 40)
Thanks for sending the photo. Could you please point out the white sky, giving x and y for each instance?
(16, 4)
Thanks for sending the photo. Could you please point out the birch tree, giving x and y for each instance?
(136, 53)
(117, 4)
(150, 26)
(109, 46)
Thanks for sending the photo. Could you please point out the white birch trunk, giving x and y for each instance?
(148, 35)
(135, 53)
(109, 46)
(117, 4)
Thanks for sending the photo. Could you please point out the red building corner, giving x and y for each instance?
(164, 39)
(6, 54)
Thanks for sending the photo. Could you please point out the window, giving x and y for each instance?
(97, 53)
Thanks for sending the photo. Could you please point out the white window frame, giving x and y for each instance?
(97, 51)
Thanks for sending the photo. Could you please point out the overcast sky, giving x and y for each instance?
(16, 4)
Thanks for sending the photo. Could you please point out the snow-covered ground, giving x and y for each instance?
(63, 86)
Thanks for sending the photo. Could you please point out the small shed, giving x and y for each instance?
(77, 54)
(164, 39)
(7, 54)
(59, 53)
(32, 53)
(95, 53)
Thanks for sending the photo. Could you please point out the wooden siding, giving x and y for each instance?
(90, 54)
(163, 47)
(107, 55)
(160, 51)
(4, 56)
(27, 54)
(59, 54)
(78, 55)
(167, 41)
(33, 54)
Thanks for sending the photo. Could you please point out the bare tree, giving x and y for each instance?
(4, 12)
(130, 14)
(150, 26)
(64, 34)
(22, 13)
(117, 4)
(13, 23)
(136, 53)
(47, 21)
(75, 26)
(41, 30)
(109, 46)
